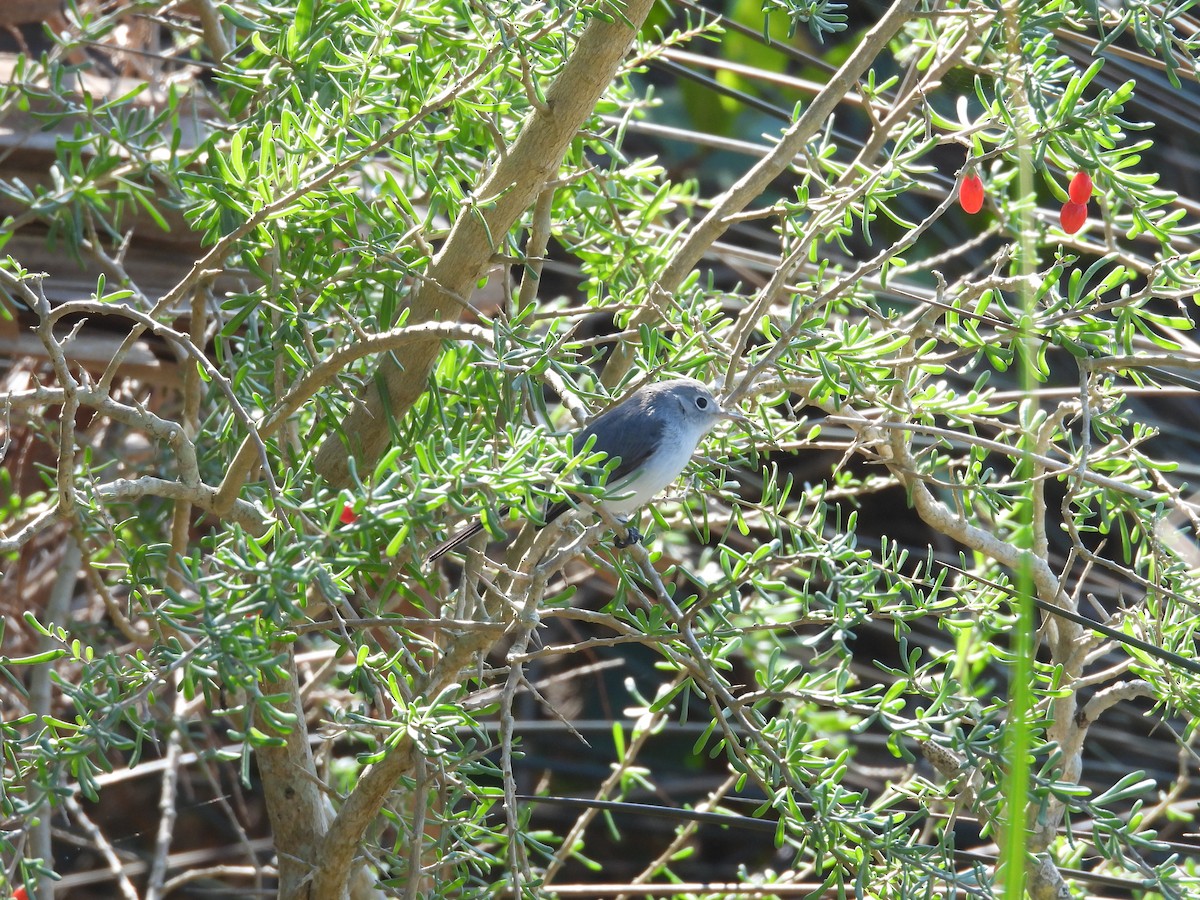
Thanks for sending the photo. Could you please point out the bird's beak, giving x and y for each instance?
(735, 416)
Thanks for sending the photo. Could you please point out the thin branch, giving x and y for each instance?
(514, 183)
(751, 185)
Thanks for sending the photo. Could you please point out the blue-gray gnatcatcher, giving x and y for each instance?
(654, 432)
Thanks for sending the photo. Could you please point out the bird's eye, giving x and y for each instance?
(701, 403)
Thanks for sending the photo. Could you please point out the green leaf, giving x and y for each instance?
(301, 25)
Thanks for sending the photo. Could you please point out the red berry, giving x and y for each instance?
(20, 894)
(1073, 216)
(348, 516)
(970, 194)
(1081, 188)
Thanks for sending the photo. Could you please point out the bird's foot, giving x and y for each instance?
(633, 537)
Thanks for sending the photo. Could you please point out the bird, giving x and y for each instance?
(653, 432)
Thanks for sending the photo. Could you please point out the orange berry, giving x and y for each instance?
(1073, 216)
(1081, 188)
(970, 194)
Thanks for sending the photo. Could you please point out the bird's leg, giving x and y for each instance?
(633, 536)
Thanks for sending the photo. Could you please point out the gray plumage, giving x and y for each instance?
(654, 432)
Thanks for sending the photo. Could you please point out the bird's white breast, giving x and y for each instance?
(659, 470)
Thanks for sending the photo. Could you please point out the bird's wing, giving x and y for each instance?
(624, 431)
